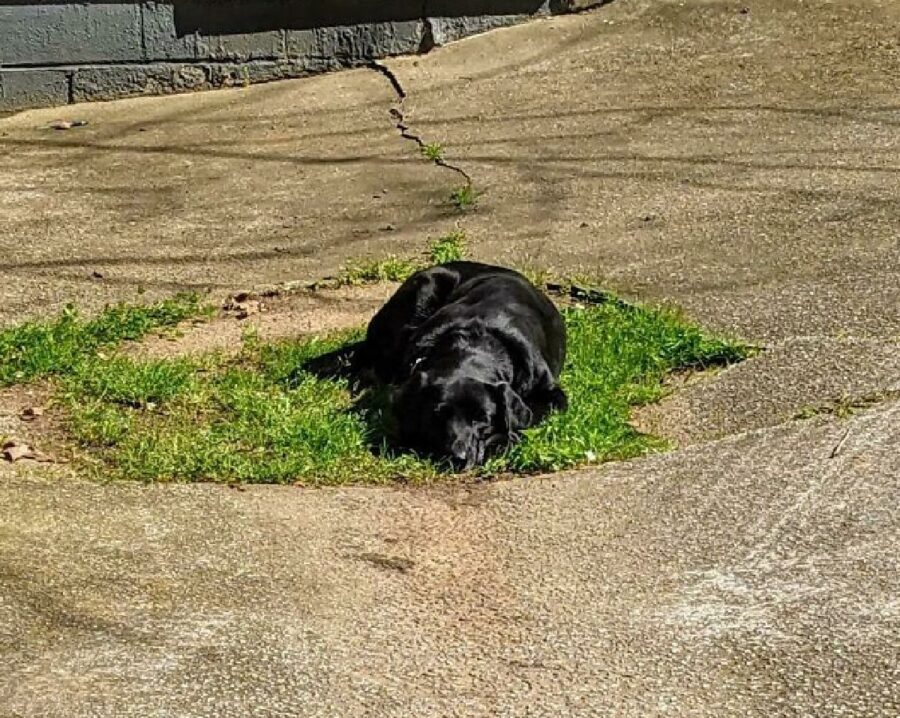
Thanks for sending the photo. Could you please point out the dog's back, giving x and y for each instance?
(445, 295)
(506, 304)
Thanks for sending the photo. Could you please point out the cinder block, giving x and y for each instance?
(161, 40)
(242, 47)
(70, 34)
(449, 29)
(110, 82)
(24, 88)
(455, 19)
(356, 44)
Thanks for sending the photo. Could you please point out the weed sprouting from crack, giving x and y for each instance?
(433, 151)
(390, 269)
(464, 197)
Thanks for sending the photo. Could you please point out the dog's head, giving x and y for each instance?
(462, 419)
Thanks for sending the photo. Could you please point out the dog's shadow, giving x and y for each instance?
(371, 400)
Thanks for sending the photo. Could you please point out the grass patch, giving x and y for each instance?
(618, 357)
(254, 419)
(464, 197)
(126, 382)
(39, 349)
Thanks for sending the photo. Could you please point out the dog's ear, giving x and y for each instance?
(411, 390)
(512, 410)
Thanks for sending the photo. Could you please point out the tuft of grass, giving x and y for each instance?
(390, 269)
(537, 276)
(464, 197)
(40, 349)
(433, 152)
(126, 382)
(449, 248)
(259, 419)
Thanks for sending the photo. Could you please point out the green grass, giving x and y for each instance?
(250, 420)
(433, 152)
(464, 197)
(255, 419)
(40, 349)
(618, 356)
(390, 269)
(449, 248)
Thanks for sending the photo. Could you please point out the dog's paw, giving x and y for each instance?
(557, 399)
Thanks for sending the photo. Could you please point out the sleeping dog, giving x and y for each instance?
(474, 354)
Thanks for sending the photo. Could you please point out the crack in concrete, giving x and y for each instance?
(399, 119)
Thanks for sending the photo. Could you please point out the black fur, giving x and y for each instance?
(474, 353)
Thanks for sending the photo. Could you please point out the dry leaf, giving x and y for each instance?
(16, 450)
(67, 124)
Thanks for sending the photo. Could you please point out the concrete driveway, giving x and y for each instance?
(738, 159)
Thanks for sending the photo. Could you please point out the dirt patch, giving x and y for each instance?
(270, 318)
(29, 415)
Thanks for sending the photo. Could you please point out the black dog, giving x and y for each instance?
(474, 353)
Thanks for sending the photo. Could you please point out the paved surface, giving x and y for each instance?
(744, 165)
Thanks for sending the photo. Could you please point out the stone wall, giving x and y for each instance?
(53, 53)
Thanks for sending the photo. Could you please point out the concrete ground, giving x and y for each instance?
(737, 159)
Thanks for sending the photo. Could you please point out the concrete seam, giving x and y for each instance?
(426, 42)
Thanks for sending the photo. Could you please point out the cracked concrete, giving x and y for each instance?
(740, 162)
(397, 115)
(688, 152)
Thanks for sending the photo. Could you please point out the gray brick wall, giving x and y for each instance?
(56, 52)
